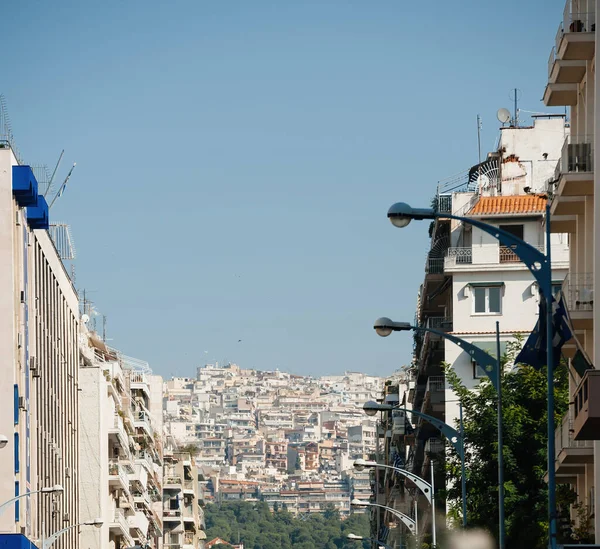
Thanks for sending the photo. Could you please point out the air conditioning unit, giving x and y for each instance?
(22, 405)
(33, 366)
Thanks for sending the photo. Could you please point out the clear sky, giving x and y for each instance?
(236, 160)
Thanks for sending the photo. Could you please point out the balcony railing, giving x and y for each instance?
(579, 291)
(444, 203)
(143, 417)
(436, 383)
(563, 437)
(460, 256)
(442, 323)
(120, 519)
(576, 155)
(551, 60)
(434, 446)
(117, 470)
(434, 265)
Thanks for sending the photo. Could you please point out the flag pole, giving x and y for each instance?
(501, 524)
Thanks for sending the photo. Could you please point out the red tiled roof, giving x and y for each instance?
(521, 204)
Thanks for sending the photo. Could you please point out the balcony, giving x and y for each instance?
(143, 420)
(118, 431)
(434, 265)
(494, 257)
(117, 476)
(586, 424)
(571, 454)
(578, 290)
(434, 399)
(564, 71)
(576, 34)
(434, 446)
(119, 524)
(138, 525)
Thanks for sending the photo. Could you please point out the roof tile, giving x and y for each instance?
(521, 204)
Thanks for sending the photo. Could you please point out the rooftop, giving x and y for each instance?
(511, 205)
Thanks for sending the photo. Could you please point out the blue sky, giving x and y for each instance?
(236, 160)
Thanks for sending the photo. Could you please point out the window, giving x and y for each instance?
(478, 371)
(487, 300)
(507, 255)
(490, 348)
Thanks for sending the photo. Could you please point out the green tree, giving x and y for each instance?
(525, 454)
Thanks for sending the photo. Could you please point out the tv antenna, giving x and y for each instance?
(515, 96)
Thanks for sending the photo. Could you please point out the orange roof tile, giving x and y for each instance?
(521, 204)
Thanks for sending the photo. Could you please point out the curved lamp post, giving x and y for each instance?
(409, 522)
(49, 490)
(48, 542)
(540, 266)
(425, 487)
(492, 368)
(353, 537)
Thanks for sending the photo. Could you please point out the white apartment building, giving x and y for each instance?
(120, 448)
(489, 282)
(39, 318)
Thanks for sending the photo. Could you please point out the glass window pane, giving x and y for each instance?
(479, 296)
(494, 300)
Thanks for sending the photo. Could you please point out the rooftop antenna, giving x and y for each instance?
(63, 186)
(515, 97)
(54, 172)
(503, 116)
(478, 139)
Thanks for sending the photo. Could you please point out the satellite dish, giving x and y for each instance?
(85, 319)
(503, 115)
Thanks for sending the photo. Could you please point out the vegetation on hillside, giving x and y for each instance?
(254, 525)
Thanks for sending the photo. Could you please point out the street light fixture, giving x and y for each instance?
(48, 490)
(46, 543)
(409, 522)
(3, 441)
(353, 537)
(540, 266)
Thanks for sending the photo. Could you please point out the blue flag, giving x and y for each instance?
(534, 351)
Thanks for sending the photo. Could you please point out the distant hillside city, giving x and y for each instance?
(284, 439)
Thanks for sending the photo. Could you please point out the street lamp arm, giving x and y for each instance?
(487, 361)
(25, 494)
(50, 540)
(423, 485)
(408, 522)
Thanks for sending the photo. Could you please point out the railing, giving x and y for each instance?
(579, 291)
(577, 154)
(434, 265)
(120, 519)
(115, 469)
(444, 203)
(172, 479)
(551, 60)
(439, 323)
(434, 446)
(460, 256)
(144, 417)
(563, 437)
(435, 383)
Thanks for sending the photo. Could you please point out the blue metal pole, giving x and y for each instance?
(463, 473)
(550, 377)
(501, 522)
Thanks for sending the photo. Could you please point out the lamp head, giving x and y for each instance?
(359, 464)
(57, 488)
(383, 326)
(400, 214)
(371, 408)
(97, 522)
(354, 537)
(3, 441)
(358, 503)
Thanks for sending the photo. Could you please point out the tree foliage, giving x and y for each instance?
(524, 410)
(254, 525)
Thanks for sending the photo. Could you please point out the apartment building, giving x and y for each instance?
(121, 458)
(39, 319)
(572, 83)
(183, 517)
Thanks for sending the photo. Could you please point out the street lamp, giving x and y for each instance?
(46, 543)
(3, 441)
(491, 366)
(49, 490)
(540, 266)
(425, 487)
(409, 522)
(354, 537)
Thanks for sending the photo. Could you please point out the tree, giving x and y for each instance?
(525, 454)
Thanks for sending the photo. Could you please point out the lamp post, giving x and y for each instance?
(540, 266)
(493, 369)
(408, 521)
(50, 540)
(353, 537)
(425, 487)
(49, 490)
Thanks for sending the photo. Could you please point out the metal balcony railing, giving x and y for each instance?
(434, 265)
(434, 446)
(115, 469)
(563, 437)
(578, 289)
(576, 155)
(460, 256)
(436, 384)
(442, 323)
(551, 60)
(444, 203)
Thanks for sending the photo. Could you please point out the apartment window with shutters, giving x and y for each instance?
(487, 300)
